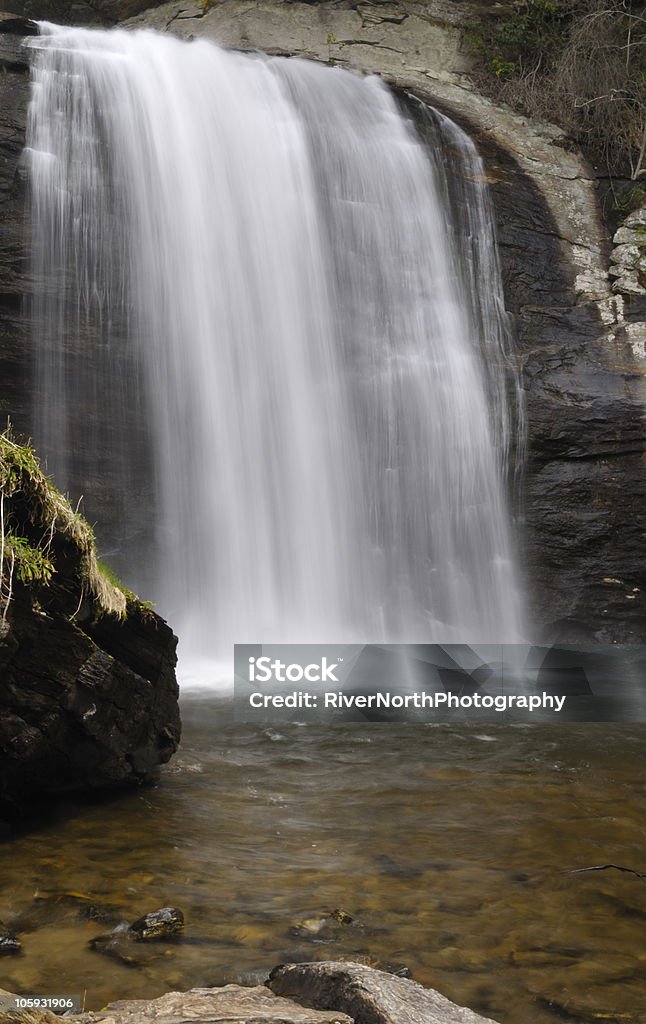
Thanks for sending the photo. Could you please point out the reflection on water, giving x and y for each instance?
(449, 847)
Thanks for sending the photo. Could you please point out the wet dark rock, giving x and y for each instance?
(541, 957)
(73, 717)
(9, 943)
(166, 923)
(12, 24)
(341, 916)
(581, 507)
(122, 945)
(71, 12)
(89, 698)
(126, 943)
(15, 394)
(369, 996)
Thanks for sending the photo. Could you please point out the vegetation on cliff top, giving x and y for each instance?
(33, 514)
(581, 63)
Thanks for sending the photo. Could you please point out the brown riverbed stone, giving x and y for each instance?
(232, 1003)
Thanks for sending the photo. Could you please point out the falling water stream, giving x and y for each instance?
(270, 344)
(271, 352)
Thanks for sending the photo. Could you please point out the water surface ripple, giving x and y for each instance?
(449, 846)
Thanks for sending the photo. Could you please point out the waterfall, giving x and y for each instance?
(270, 346)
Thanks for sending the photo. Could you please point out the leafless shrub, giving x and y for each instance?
(581, 64)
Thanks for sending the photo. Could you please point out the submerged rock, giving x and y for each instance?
(56, 907)
(325, 926)
(578, 1013)
(120, 944)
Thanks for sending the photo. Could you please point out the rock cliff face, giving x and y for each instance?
(88, 696)
(15, 389)
(77, 12)
(581, 341)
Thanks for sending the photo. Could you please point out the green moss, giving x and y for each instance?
(110, 575)
(21, 473)
(47, 513)
(131, 598)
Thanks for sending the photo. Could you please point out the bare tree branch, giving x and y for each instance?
(608, 867)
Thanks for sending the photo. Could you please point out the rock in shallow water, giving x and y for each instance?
(9, 943)
(368, 996)
(123, 942)
(158, 924)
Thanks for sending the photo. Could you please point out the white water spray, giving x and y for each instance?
(258, 328)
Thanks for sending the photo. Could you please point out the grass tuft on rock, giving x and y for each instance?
(47, 513)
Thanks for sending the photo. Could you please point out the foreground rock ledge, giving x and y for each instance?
(232, 1004)
(321, 993)
(367, 995)
(88, 694)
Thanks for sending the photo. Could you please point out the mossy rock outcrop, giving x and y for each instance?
(88, 694)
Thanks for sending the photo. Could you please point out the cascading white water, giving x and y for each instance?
(248, 270)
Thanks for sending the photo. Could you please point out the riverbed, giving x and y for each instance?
(448, 848)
